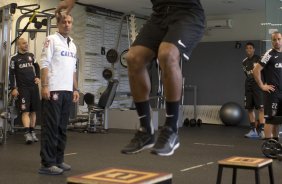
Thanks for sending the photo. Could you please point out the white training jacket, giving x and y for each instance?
(60, 59)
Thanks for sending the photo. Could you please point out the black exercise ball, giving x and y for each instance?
(231, 114)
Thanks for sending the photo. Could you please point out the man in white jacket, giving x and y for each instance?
(59, 89)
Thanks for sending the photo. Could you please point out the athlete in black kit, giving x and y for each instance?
(24, 76)
(253, 94)
(271, 63)
(173, 30)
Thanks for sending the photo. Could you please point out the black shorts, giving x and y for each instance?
(182, 27)
(253, 96)
(273, 104)
(29, 99)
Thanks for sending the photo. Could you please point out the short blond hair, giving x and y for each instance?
(60, 17)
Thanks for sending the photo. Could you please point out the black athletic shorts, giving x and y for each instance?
(182, 27)
(253, 96)
(29, 99)
(273, 104)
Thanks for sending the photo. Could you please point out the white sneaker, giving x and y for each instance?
(252, 134)
(28, 138)
(261, 134)
(33, 135)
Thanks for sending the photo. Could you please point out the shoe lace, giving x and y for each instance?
(138, 137)
(164, 136)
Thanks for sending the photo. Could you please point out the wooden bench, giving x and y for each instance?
(120, 176)
(245, 163)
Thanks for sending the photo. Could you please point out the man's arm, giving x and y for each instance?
(44, 77)
(46, 57)
(257, 75)
(65, 5)
(75, 88)
(37, 69)
(75, 85)
(12, 81)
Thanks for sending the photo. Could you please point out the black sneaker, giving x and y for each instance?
(166, 143)
(140, 141)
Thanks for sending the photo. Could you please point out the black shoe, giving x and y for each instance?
(140, 141)
(166, 143)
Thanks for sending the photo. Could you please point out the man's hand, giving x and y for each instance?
(14, 92)
(268, 88)
(75, 96)
(36, 80)
(45, 93)
(65, 5)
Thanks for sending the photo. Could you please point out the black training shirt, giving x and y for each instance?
(24, 69)
(248, 66)
(272, 68)
(195, 4)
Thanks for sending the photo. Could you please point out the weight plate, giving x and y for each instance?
(112, 56)
(122, 58)
(107, 74)
(271, 148)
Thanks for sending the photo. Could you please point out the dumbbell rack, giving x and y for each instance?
(194, 121)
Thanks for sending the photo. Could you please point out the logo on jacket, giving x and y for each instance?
(29, 58)
(25, 65)
(46, 44)
(23, 107)
(278, 65)
(68, 54)
(55, 96)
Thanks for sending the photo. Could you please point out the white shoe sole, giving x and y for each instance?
(169, 153)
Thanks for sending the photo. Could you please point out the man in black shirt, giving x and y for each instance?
(253, 94)
(173, 30)
(24, 76)
(271, 63)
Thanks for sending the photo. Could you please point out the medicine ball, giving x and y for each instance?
(231, 114)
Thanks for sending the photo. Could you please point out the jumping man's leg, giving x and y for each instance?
(137, 58)
(169, 58)
(172, 80)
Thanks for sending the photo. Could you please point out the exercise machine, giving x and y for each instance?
(6, 14)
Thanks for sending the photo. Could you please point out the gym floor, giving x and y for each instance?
(203, 146)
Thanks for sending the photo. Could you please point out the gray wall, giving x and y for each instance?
(216, 68)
